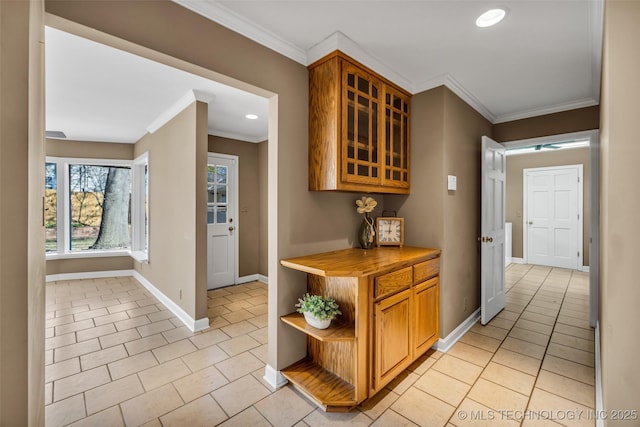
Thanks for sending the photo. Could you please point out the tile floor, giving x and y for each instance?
(115, 356)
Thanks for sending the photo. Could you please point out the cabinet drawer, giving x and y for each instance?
(427, 269)
(392, 282)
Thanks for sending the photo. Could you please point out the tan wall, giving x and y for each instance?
(514, 204)
(21, 230)
(619, 201)
(580, 119)
(177, 172)
(263, 172)
(88, 149)
(91, 150)
(464, 128)
(249, 199)
(446, 135)
(82, 265)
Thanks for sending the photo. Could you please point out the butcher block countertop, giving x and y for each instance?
(356, 262)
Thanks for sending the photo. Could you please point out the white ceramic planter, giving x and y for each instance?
(315, 322)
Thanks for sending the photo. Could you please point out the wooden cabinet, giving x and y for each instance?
(389, 300)
(425, 313)
(393, 349)
(358, 129)
(405, 317)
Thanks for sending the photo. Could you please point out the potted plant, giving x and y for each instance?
(318, 311)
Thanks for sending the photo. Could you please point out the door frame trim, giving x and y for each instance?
(236, 206)
(525, 202)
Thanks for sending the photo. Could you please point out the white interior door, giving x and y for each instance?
(553, 216)
(492, 229)
(222, 224)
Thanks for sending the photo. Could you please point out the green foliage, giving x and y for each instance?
(321, 308)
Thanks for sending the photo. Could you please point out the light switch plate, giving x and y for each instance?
(452, 182)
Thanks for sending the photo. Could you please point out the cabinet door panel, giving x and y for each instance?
(393, 348)
(396, 139)
(360, 142)
(425, 303)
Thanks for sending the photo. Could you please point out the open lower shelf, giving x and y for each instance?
(329, 390)
(336, 332)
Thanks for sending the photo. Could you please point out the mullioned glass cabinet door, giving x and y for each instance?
(360, 126)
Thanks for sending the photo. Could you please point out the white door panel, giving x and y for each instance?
(552, 226)
(492, 280)
(222, 224)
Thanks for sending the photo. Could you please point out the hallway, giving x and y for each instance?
(116, 356)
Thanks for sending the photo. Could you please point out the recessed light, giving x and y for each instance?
(252, 116)
(490, 17)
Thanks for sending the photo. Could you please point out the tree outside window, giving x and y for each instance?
(100, 207)
(51, 207)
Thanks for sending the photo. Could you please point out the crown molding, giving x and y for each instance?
(218, 13)
(239, 137)
(581, 103)
(189, 98)
(339, 41)
(452, 84)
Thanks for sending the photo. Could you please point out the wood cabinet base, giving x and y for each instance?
(389, 303)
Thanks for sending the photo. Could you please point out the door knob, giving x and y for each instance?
(530, 223)
(232, 228)
(489, 239)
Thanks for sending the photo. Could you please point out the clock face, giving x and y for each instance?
(390, 231)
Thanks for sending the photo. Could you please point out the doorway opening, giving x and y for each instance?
(563, 148)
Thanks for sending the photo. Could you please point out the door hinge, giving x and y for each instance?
(578, 179)
(578, 216)
(578, 253)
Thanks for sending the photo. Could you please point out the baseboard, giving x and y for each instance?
(253, 278)
(599, 403)
(517, 260)
(444, 344)
(88, 275)
(193, 325)
(585, 268)
(274, 378)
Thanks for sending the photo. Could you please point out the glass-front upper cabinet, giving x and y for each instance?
(360, 127)
(396, 137)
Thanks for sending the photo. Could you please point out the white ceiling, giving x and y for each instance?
(98, 93)
(543, 57)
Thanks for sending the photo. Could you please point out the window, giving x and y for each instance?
(91, 207)
(51, 207)
(217, 194)
(99, 203)
(140, 209)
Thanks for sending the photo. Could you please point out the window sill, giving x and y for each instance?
(91, 254)
(140, 256)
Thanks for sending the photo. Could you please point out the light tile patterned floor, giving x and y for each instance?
(116, 356)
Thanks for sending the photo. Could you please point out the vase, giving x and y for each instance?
(315, 322)
(366, 233)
